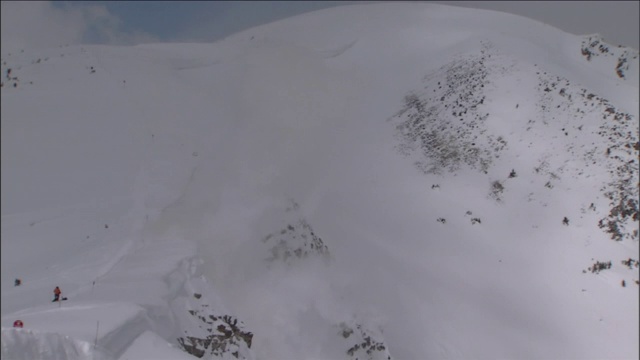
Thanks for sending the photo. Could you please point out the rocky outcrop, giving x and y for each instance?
(208, 330)
(296, 240)
(363, 343)
(594, 46)
(443, 125)
(225, 336)
(617, 151)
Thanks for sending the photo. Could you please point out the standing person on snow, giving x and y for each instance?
(56, 294)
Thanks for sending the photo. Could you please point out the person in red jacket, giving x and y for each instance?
(56, 294)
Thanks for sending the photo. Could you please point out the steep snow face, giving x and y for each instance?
(411, 181)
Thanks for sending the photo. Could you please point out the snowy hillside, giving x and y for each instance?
(388, 181)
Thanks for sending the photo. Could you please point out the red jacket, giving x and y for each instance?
(57, 291)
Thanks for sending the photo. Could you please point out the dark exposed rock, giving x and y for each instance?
(364, 343)
(447, 129)
(599, 266)
(224, 335)
(619, 134)
(295, 241)
(593, 47)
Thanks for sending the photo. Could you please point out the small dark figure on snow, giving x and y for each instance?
(56, 294)
(565, 221)
(17, 282)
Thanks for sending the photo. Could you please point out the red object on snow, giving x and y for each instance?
(18, 324)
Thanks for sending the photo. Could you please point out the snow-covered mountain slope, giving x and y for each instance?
(388, 181)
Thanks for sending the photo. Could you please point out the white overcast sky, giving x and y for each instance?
(28, 24)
